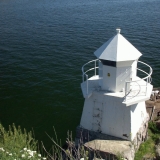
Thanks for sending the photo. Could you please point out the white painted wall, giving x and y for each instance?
(116, 81)
(134, 69)
(118, 75)
(138, 115)
(123, 74)
(100, 74)
(87, 114)
(114, 116)
(109, 82)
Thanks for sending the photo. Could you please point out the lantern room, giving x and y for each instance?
(117, 63)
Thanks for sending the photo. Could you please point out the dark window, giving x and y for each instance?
(108, 63)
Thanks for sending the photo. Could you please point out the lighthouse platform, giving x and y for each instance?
(136, 90)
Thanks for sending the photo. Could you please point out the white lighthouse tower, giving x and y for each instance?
(114, 106)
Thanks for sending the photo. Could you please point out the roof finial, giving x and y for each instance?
(118, 30)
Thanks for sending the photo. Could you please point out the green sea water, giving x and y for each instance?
(43, 45)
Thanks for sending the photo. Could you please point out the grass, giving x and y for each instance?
(16, 144)
(71, 152)
(147, 149)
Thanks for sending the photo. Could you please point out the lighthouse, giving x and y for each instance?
(115, 95)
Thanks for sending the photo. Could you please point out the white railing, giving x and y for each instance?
(84, 73)
(148, 78)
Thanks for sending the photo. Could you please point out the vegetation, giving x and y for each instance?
(70, 152)
(16, 144)
(148, 148)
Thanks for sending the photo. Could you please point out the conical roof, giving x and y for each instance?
(117, 49)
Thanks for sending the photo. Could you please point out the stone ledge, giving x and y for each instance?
(113, 147)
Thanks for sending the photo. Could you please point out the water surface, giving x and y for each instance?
(44, 43)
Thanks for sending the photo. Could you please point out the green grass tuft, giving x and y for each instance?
(147, 149)
(18, 144)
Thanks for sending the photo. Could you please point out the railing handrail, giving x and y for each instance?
(88, 63)
(148, 74)
(89, 70)
(147, 78)
(84, 72)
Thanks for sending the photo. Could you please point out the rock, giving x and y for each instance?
(114, 148)
(158, 151)
(148, 157)
(158, 124)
